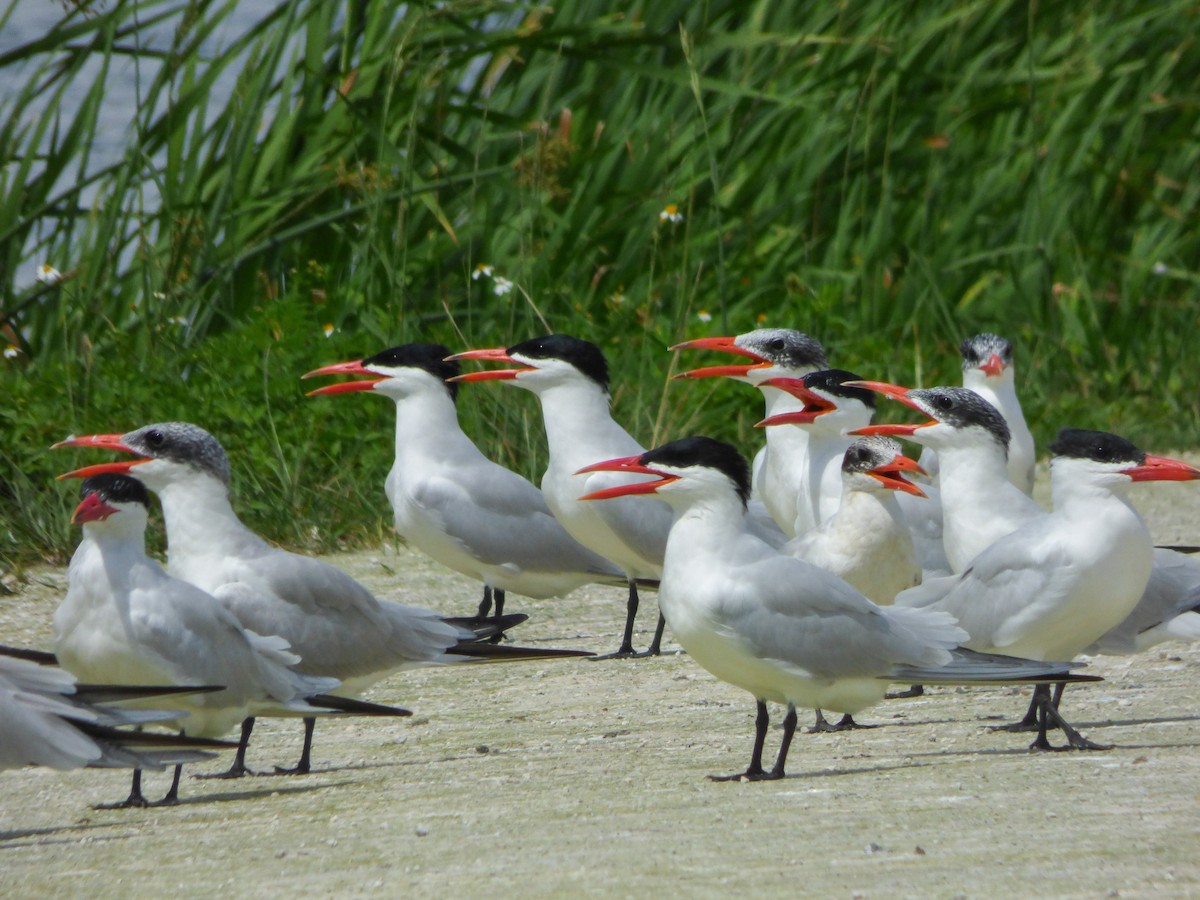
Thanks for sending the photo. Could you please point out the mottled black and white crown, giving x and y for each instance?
(979, 349)
(181, 442)
(784, 347)
(963, 408)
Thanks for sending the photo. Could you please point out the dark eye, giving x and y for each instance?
(945, 404)
(776, 344)
(154, 438)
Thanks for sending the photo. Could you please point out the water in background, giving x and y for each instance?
(30, 20)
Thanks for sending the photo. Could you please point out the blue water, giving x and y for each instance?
(29, 20)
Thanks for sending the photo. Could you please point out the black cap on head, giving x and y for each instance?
(704, 451)
(1101, 446)
(979, 349)
(428, 357)
(115, 488)
(181, 442)
(583, 355)
(833, 382)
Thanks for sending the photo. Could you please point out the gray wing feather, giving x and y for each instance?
(504, 520)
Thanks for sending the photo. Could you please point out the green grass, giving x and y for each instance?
(889, 178)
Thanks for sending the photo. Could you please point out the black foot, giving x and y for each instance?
(916, 690)
(138, 802)
(622, 653)
(1075, 741)
(760, 775)
(301, 769)
(234, 771)
(127, 803)
(847, 723)
(1081, 744)
(1016, 727)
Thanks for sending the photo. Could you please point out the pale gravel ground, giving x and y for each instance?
(570, 777)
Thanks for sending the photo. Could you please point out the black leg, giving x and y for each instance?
(238, 769)
(485, 605)
(305, 765)
(789, 731)
(754, 772)
(499, 597)
(135, 798)
(625, 651)
(821, 725)
(1049, 713)
(655, 648)
(917, 690)
(172, 797)
(1041, 696)
(1058, 692)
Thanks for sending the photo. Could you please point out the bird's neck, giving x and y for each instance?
(971, 472)
(1000, 392)
(776, 401)
(427, 423)
(1083, 500)
(709, 520)
(580, 428)
(201, 526)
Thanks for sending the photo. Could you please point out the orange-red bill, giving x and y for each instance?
(1162, 468)
(104, 441)
(494, 354)
(994, 366)
(91, 509)
(889, 474)
(630, 465)
(121, 467)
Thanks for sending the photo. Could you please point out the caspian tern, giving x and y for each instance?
(987, 362)
(1051, 588)
(980, 504)
(779, 466)
(49, 719)
(833, 410)
(987, 367)
(866, 542)
(829, 411)
(776, 626)
(984, 506)
(124, 620)
(336, 625)
(452, 502)
(569, 376)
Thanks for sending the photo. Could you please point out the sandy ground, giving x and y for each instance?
(573, 777)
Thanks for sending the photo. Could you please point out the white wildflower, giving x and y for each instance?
(47, 274)
(671, 214)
